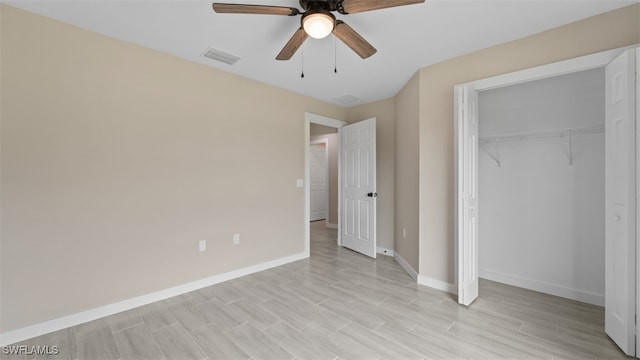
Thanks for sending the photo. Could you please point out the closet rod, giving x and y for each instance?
(542, 135)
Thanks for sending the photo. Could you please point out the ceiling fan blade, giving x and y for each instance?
(353, 40)
(356, 6)
(292, 45)
(254, 9)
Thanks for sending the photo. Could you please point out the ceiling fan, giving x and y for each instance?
(318, 21)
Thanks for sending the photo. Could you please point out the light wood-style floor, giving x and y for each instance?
(340, 304)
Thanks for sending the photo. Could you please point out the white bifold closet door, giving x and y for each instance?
(620, 201)
(467, 194)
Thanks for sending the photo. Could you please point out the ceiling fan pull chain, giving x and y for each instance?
(302, 62)
(335, 54)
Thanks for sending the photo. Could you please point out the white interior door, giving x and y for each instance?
(467, 192)
(319, 183)
(620, 201)
(358, 160)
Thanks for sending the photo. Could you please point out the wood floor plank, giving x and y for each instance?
(459, 345)
(531, 343)
(95, 341)
(306, 291)
(256, 315)
(189, 315)
(277, 292)
(124, 320)
(137, 343)
(176, 343)
(156, 316)
(507, 349)
(571, 342)
(224, 292)
(297, 315)
(427, 348)
(65, 340)
(379, 344)
(354, 312)
(255, 343)
(216, 344)
(296, 343)
(339, 344)
(221, 314)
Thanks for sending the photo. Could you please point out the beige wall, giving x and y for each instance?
(332, 150)
(406, 172)
(607, 31)
(116, 160)
(384, 112)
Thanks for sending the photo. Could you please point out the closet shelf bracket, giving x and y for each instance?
(570, 148)
(496, 155)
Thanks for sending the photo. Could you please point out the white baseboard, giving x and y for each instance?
(437, 284)
(384, 251)
(46, 327)
(544, 287)
(405, 265)
(332, 226)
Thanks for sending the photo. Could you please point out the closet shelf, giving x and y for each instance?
(542, 135)
(570, 133)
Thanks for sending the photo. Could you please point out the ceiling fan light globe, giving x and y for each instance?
(318, 25)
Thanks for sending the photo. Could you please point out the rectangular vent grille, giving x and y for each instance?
(347, 99)
(221, 56)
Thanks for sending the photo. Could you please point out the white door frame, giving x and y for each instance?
(588, 62)
(637, 190)
(321, 120)
(324, 142)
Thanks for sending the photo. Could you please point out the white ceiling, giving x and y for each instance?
(407, 38)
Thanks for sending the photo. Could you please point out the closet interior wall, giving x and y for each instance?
(541, 185)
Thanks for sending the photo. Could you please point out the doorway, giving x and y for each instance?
(356, 183)
(321, 126)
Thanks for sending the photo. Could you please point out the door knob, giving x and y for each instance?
(372, 194)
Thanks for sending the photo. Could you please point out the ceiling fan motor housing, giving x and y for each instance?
(329, 5)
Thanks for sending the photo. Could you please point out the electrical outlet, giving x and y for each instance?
(236, 239)
(202, 245)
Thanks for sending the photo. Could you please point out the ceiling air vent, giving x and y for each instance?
(221, 56)
(347, 99)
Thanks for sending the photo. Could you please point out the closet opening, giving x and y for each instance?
(541, 185)
(570, 206)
